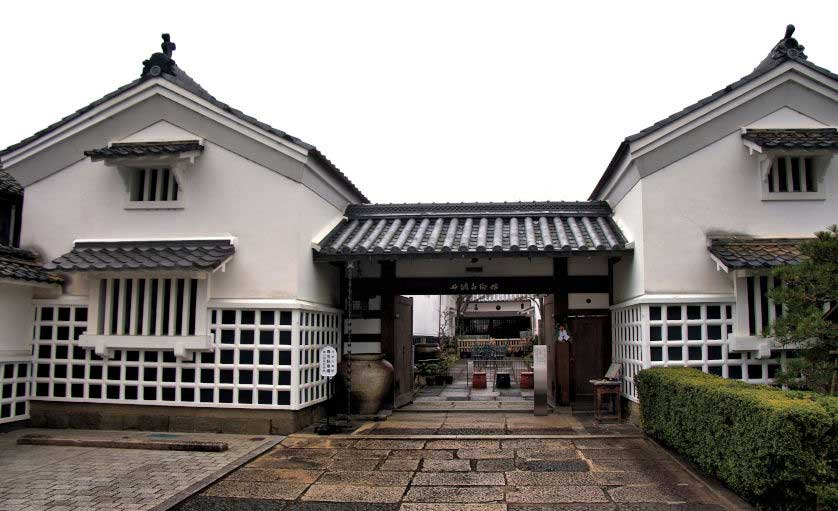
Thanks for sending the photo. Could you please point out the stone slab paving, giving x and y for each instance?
(63, 478)
(502, 473)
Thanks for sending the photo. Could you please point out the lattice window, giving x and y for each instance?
(153, 185)
(627, 345)
(761, 310)
(255, 362)
(149, 306)
(792, 174)
(14, 391)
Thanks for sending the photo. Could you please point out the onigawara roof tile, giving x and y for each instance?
(737, 253)
(785, 50)
(175, 75)
(184, 255)
(9, 185)
(498, 228)
(140, 149)
(23, 265)
(811, 139)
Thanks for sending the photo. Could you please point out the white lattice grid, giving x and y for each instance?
(317, 329)
(696, 335)
(627, 346)
(253, 364)
(14, 391)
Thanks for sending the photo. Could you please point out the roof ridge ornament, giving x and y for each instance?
(788, 47)
(160, 62)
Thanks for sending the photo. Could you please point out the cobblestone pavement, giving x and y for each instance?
(492, 473)
(85, 478)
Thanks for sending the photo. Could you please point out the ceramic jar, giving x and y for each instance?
(372, 379)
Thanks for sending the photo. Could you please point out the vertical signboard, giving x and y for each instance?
(539, 367)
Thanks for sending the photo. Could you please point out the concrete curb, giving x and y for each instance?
(218, 474)
(136, 443)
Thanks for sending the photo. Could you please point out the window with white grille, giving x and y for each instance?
(148, 306)
(154, 185)
(793, 177)
(761, 310)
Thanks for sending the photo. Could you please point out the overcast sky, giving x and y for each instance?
(422, 101)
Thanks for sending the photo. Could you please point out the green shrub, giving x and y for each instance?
(775, 448)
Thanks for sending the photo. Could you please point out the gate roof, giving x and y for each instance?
(507, 228)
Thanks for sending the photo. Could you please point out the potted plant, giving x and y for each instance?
(450, 361)
(527, 379)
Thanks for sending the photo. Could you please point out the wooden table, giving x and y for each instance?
(607, 388)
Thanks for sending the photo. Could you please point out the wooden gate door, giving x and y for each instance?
(403, 352)
(590, 352)
(548, 334)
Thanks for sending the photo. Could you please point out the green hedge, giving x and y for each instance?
(777, 449)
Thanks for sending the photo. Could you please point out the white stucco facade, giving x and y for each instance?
(680, 185)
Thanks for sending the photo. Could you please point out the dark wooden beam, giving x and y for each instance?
(482, 285)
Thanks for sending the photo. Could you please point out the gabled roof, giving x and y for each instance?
(9, 185)
(139, 149)
(525, 228)
(737, 253)
(810, 139)
(22, 265)
(786, 50)
(161, 65)
(184, 255)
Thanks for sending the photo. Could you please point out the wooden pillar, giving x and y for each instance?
(562, 351)
(388, 311)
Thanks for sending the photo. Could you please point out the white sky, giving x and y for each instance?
(422, 101)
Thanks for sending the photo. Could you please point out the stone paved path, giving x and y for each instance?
(85, 478)
(447, 473)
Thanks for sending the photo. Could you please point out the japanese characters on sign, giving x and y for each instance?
(474, 287)
(328, 361)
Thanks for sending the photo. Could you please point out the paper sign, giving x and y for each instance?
(328, 361)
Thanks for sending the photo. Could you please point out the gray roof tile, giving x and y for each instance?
(23, 265)
(139, 149)
(207, 254)
(9, 185)
(500, 228)
(738, 253)
(798, 138)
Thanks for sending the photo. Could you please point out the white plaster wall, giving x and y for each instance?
(426, 315)
(16, 315)
(273, 217)
(717, 190)
(512, 306)
(629, 272)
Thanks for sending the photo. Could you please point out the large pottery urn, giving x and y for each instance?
(426, 351)
(372, 379)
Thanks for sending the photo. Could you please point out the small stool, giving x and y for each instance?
(527, 380)
(478, 381)
(502, 381)
(604, 388)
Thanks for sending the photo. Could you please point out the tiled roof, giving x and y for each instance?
(206, 254)
(756, 253)
(9, 185)
(784, 51)
(138, 149)
(501, 228)
(18, 264)
(179, 77)
(816, 138)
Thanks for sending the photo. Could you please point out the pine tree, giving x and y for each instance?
(809, 292)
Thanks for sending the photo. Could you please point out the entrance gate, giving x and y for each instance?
(479, 248)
